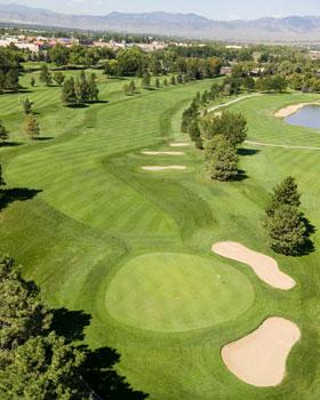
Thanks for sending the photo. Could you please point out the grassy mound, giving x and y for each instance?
(174, 292)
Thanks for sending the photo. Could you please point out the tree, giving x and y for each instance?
(32, 81)
(93, 90)
(44, 368)
(27, 106)
(165, 82)
(82, 88)
(222, 159)
(45, 75)
(132, 87)
(195, 134)
(31, 127)
(146, 80)
(232, 126)
(173, 80)
(4, 134)
(69, 95)
(21, 313)
(286, 193)
(287, 230)
(249, 83)
(157, 83)
(2, 181)
(59, 78)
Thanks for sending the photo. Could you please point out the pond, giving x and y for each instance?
(308, 116)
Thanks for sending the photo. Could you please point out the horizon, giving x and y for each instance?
(231, 11)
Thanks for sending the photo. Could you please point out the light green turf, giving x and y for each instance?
(172, 292)
(98, 210)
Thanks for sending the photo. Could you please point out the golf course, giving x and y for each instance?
(111, 213)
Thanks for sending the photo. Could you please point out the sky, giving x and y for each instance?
(214, 9)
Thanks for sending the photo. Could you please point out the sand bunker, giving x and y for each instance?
(180, 144)
(154, 168)
(163, 153)
(264, 266)
(289, 110)
(260, 358)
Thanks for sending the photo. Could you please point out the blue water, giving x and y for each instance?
(308, 116)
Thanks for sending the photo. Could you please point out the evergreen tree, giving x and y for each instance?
(59, 78)
(132, 87)
(222, 165)
(173, 80)
(165, 82)
(27, 106)
(45, 75)
(195, 134)
(93, 88)
(21, 313)
(286, 193)
(43, 368)
(4, 134)
(31, 127)
(2, 181)
(180, 79)
(146, 80)
(157, 83)
(12, 80)
(287, 230)
(69, 95)
(126, 89)
(32, 81)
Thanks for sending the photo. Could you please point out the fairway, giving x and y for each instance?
(132, 247)
(173, 292)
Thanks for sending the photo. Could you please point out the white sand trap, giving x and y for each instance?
(264, 266)
(289, 110)
(163, 153)
(180, 144)
(260, 358)
(154, 168)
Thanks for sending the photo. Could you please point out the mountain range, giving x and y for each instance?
(292, 28)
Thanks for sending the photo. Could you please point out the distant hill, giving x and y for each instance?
(292, 28)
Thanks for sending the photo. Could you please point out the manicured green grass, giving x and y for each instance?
(98, 213)
(174, 292)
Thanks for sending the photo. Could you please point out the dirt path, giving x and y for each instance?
(265, 267)
(259, 359)
(184, 144)
(229, 103)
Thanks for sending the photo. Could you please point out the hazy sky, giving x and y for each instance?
(216, 9)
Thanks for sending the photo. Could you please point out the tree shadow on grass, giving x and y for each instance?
(10, 144)
(9, 196)
(43, 138)
(241, 176)
(97, 370)
(248, 152)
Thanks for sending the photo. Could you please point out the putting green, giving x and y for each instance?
(173, 292)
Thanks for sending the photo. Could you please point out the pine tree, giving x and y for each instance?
(195, 134)
(31, 127)
(45, 75)
(146, 80)
(4, 134)
(173, 80)
(165, 82)
(222, 165)
(27, 106)
(59, 78)
(21, 313)
(287, 230)
(69, 95)
(132, 87)
(93, 88)
(157, 83)
(32, 81)
(286, 193)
